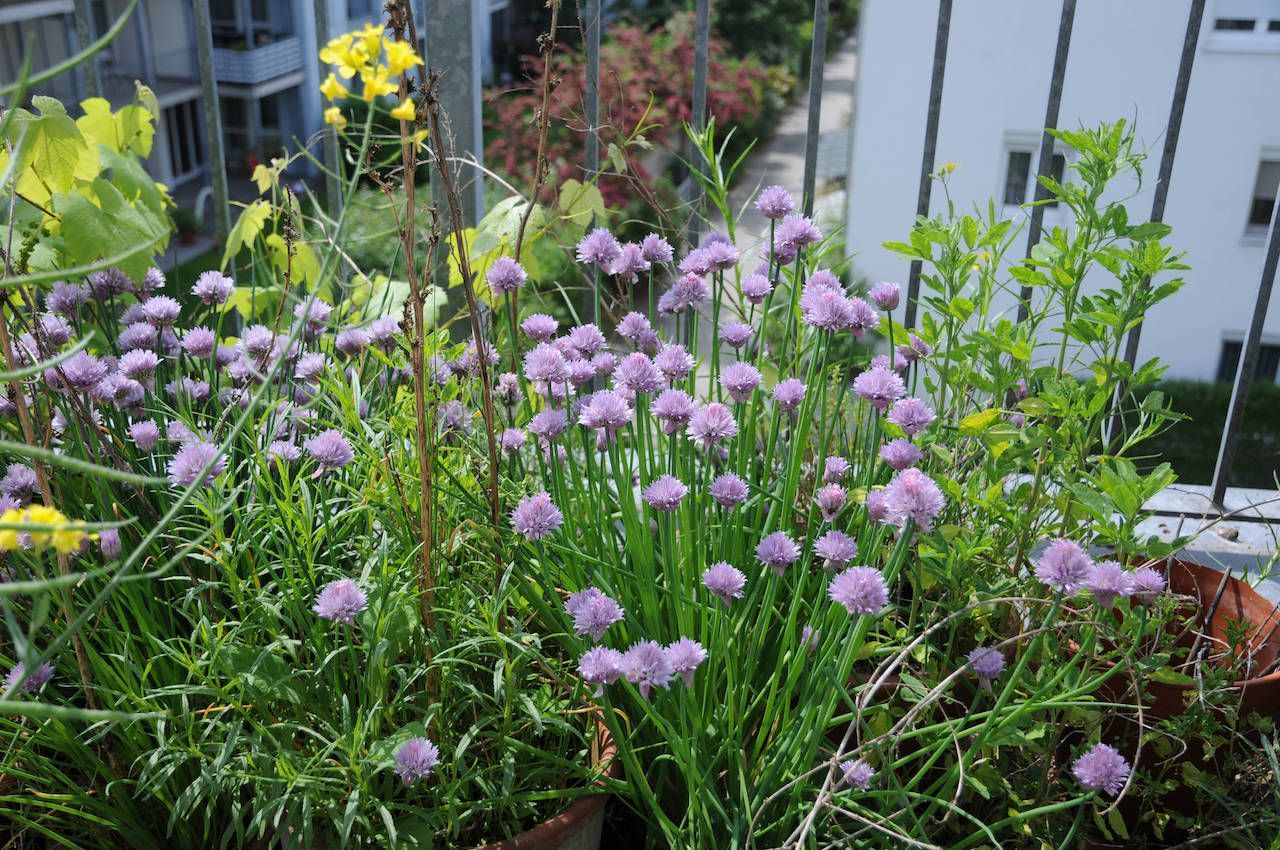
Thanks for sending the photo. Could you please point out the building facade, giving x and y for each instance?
(1122, 63)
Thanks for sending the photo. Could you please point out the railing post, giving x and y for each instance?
(92, 76)
(817, 63)
(698, 118)
(332, 181)
(1044, 165)
(212, 121)
(592, 110)
(940, 40)
(1248, 362)
(453, 48)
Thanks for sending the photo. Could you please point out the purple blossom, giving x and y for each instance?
(630, 262)
(416, 759)
(655, 249)
(861, 590)
(647, 666)
(836, 549)
(720, 256)
(879, 386)
(213, 287)
(505, 275)
(599, 247)
(696, 262)
(793, 234)
(606, 412)
(161, 311)
(834, 469)
(188, 388)
(330, 449)
(152, 280)
(729, 490)
(755, 287)
(666, 493)
(911, 415)
(775, 202)
(340, 601)
(1102, 769)
(788, 394)
(809, 638)
(194, 455)
(20, 483)
(580, 372)
(685, 656)
(673, 408)
(512, 440)
(861, 317)
(37, 680)
(536, 516)
(1108, 581)
(604, 364)
(900, 453)
(600, 666)
(586, 339)
(55, 329)
(545, 364)
(856, 774)
(539, 327)
(886, 295)
(66, 299)
(638, 374)
(593, 612)
(1064, 566)
(549, 424)
(912, 495)
(633, 325)
(199, 342)
(79, 373)
(383, 330)
(108, 283)
(310, 366)
(144, 434)
(109, 543)
(674, 362)
(1148, 584)
(258, 341)
(830, 499)
(825, 309)
(351, 341)
(315, 314)
(280, 452)
(454, 418)
(916, 349)
(689, 291)
(712, 423)
(777, 551)
(741, 380)
(735, 334)
(137, 335)
(987, 662)
(725, 581)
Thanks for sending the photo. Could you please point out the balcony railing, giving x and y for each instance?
(260, 64)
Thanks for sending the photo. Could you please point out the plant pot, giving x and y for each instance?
(578, 826)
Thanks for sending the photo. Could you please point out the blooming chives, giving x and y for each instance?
(830, 499)
(886, 295)
(856, 774)
(416, 759)
(194, 455)
(666, 493)
(777, 551)
(712, 423)
(599, 247)
(673, 409)
(755, 287)
(788, 394)
(19, 483)
(741, 380)
(655, 249)
(729, 490)
(646, 665)
(505, 275)
(34, 682)
(836, 549)
(1064, 566)
(340, 601)
(735, 334)
(593, 612)
(900, 453)
(1102, 769)
(861, 590)
(912, 495)
(674, 362)
(539, 327)
(213, 287)
(600, 666)
(685, 656)
(330, 449)
(911, 415)
(536, 516)
(987, 662)
(1108, 581)
(834, 469)
(1148, 584)
(638, 373)
(725, 581)
(606, 412)
(775, 202)
(879, 386)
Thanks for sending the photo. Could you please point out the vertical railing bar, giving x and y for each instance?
(592, 111)
(817, 63)
(698, 118)
(212, 120)
(81, 18)
(941, 37)
(1044, 165)
(332, 183)
(1180, 88)
(1248, 362)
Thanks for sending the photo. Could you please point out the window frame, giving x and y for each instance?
(1027, 143)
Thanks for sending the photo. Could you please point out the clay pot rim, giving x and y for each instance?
(551, 829)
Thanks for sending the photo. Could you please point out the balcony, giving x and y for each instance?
(258, 64)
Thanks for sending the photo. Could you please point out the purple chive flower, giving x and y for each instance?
(655, 249)
(151, 281)
(19, 483)
(549, 424)
(280, 452)
(912, 495)
(109, 543)
(55, 329)
(330, 449)
(1021, 389)
(633, 325)
(593, 613)
(161, 311)
(835, 469)
(213, 287)
(606, 412)
(830, 499)
(383, 330)
(987, 662)
(809, 638)
(79, 373)
(720, 256)
(199, 342)
(1102, 769)
(507, 389)
(789, 394)
(416, 759)
(505, 275)
(108, 284)
(512, 440)
(794, 233)
(630, 262)
(539, 327)
(685, 655)
(712, 423)
(755, 287)
(825, 309)
(586, 339)
(777, 551)
(66, 299)
(545, 364)
(729, 490)
(184, 467)
(916, 349)
(674, 362)
(1108, 581)
(861, 590)
(536, 516)
(310, 366)
(580, 372)
(911, 415)
(665, 494)
(886, 295)
(836, 549)
(673, 408)
(880, 387)
(188, 388)
(900, 453)
(37, 680)
(689, 291)
(735, 334)
(775, 202)
(454, 418)
(604, 364)
(351, 341)
(638, 374)
(1064, 566)
(725, 581)
(600, 666)
(340, 601)
(696, 262)
(1148, 584)
(856, 773)
(599, 247)
(647, 666)
(137, 335)
(315, 314)
(144, 434)
(741, 380)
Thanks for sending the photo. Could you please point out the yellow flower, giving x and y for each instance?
(405, 111)
(337, 51)
(63, 534)
(947, 168)
(370, 38)
(333, 89)
(376, 83)
(401, 57)
(333, 115)
(420, 137)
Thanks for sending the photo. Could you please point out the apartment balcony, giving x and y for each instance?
(258, 64)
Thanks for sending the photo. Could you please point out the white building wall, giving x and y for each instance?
(1122, 64)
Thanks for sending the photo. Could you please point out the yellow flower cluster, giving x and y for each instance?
(48, 527)
(377, 60)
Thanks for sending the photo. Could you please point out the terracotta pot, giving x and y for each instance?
(578, 826)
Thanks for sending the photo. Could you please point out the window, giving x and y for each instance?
(1020, 177)
(1265, 188)
(1235, 24)
(1268, 362)
(1245, 25)
(359, 8)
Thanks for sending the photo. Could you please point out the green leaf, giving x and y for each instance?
(262, 673)
(1169, 676)
(976, 423)
(245, 230)
(580, 203)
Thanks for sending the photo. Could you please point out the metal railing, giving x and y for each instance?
(258, 64)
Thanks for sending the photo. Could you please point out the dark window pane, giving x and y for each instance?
(1057, 169)
(1234, 24)
(1268, 367)
(1268, 363)
(1273, 26)
(1230, 361)
(1015, 180)
(1260, 212)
